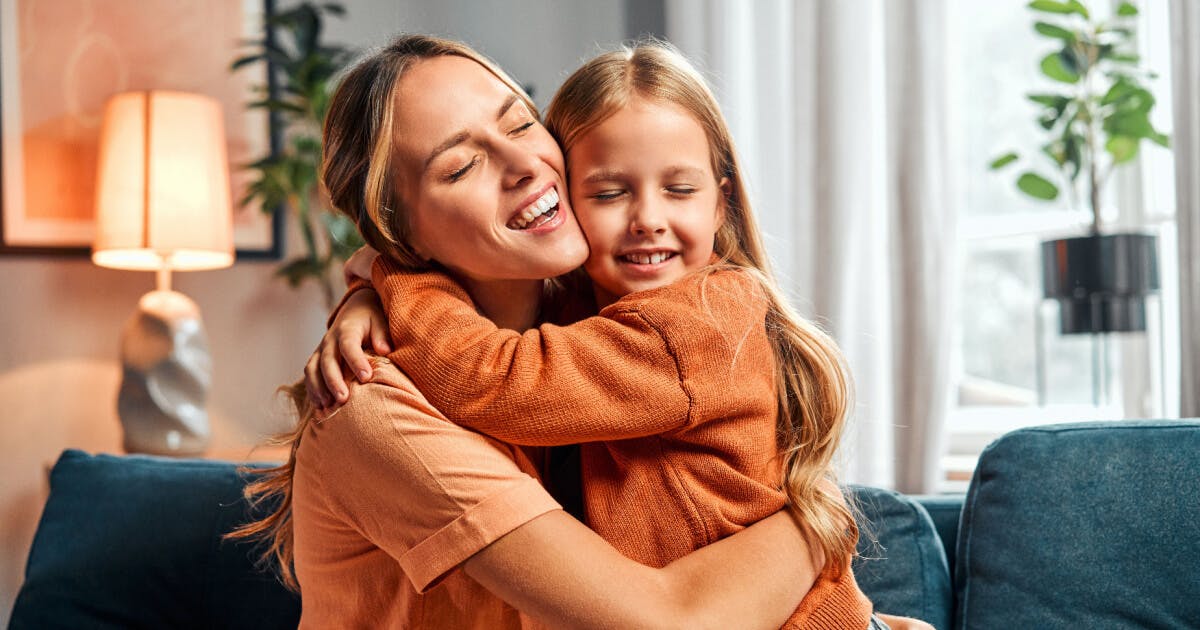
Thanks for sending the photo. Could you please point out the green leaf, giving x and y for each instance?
(1056, 101)
(1078, 7)
(1133, 123)
(1052, 67)
(1037, 186)
(1051, 30)
(297, 269)
(1161, 139)
(1122, 148)
(1003, 160)
(245, 61)
(1051, 6)
(1126, 10)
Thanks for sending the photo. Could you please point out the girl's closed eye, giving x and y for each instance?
(522, 128)
(608, 195)
(682, 190)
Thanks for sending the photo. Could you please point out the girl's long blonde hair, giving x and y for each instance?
(357, 171)
(812, 380)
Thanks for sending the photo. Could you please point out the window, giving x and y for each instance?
(1013, 367)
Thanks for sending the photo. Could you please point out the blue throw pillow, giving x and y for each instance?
(1088, 525)
(135, 542)
(902, 567)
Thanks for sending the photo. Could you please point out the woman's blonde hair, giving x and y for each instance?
(812, 380)
(358, 171)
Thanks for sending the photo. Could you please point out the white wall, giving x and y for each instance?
(60, 318)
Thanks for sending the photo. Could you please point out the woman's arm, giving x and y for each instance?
(437, 497)
(558, 570)
(620, 375)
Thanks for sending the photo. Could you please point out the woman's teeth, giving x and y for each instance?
(647, 259)
(538, 208)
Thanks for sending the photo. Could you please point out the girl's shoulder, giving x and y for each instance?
(713, 294)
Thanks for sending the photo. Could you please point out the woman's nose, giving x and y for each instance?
(520, 163)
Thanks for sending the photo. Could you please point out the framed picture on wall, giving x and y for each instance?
(59, 63)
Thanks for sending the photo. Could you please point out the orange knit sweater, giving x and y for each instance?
(671, 392)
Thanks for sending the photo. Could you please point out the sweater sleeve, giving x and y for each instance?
(604, 378)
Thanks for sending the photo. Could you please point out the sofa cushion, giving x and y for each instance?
(903, 570)
(135, 542)
(945, 510)
(1087, 525)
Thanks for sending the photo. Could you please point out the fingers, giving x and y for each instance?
(331, 370)
(379, 337)
(314, 383)
(350, 346)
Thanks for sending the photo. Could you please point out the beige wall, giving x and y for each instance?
(60, 318)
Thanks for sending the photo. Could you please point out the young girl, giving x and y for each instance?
(703, 402)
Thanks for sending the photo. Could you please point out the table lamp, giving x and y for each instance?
(163, 204)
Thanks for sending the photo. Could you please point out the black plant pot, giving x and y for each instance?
(1101, 282)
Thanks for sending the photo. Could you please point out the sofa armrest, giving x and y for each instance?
(136, 542)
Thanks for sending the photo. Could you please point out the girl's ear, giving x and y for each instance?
(723, 204)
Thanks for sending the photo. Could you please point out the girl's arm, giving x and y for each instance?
(558, 570)
(357, 322)
(620, 375)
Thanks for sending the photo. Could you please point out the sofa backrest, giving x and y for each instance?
(1087, 525)
(135, 542)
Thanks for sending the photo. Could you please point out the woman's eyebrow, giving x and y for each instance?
(508, 102)
(462, 136)
(454, 141)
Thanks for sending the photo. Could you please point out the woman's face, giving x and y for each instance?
(482, 180)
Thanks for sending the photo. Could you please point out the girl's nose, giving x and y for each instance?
(647, 218)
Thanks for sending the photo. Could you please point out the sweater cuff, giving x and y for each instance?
(834, 603)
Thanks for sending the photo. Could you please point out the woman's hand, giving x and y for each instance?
(360, 321)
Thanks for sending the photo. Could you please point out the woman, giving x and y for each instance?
(386, 498)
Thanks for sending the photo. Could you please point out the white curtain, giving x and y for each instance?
(839, 112)
(1185, 70)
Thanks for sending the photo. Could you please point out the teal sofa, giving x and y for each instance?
(1092, 525)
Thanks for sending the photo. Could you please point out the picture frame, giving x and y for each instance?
(49, 128)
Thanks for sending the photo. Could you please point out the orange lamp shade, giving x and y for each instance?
(162, 190)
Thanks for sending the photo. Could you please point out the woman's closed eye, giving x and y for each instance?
(682, 190)
(460, 173)
(521, 129)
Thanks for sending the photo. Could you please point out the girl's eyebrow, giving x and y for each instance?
(608, 175)
(603, 175)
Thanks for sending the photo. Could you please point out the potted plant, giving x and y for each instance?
(1095, 124)
(296, 98)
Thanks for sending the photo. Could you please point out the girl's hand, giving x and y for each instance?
(359, 264)
(359, 321)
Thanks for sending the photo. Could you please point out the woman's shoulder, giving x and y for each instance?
(388, 398)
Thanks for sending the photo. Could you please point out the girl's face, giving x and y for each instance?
(648, 200)
(482, 180)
